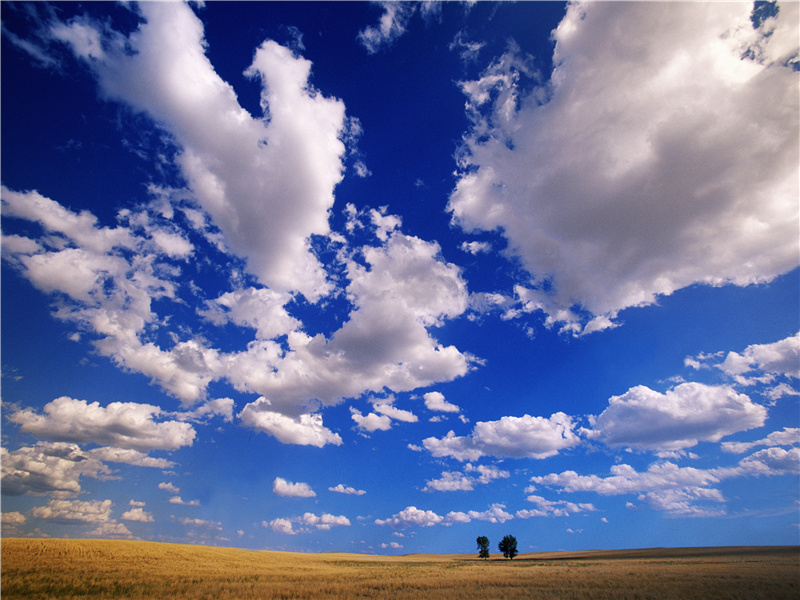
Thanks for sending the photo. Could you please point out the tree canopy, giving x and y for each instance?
(508, 546)
(483, 546)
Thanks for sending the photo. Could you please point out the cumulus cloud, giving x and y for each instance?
(169, 487)
(130, 457)
(778, 358)
(684, 491)
(510, 437)
(495, 514)
(654, 146)
(411, 516)
(266, 181)
(305, 430)
(87, 511)
(451, 481)
(13, 518)
(181, 502)
(120, 424)
(680, 418)
(137, 514)
(435, 401)
(281, 487)
(553, 508)
(346, 489)
(48, 468)
(371, 422)
(788, 436)
(306, 522)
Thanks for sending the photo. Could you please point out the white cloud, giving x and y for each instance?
(305, 522)
(346, 489)
(511, 437)
(476, 247)
(222, 407)
(778, 358)
(137, 514)
(393, 545)
(655, 148)
(435, 401)
(411, 516)
(305, 430)
(181, 502)
(451, 481)
(280, 525)
(48, 468)
(258, 308)
(386, 408)
(371, 422)
(788, 436)
(685, 415)
(664, 486)
(391, 26)
(200, 523)
(495, 514)
(130, 457)
(87, 511)
(13, 518)
(169, 487)
(552, 508)
(267, 182)
(770, 462)
(120, 424)
(281, 487)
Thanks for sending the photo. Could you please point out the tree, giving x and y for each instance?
(508, 546)
(483, 546)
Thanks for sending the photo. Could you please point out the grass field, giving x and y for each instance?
(43, 568)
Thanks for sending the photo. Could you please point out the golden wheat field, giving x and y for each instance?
(39, 568)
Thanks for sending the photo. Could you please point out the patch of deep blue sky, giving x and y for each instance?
(88, 154)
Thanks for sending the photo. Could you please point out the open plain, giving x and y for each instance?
(54, 568)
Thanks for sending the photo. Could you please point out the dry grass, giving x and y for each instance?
(111, 569)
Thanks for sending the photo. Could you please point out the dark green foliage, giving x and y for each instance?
(483, 546)
(508, 546)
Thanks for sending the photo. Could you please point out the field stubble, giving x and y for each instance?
(102, 569)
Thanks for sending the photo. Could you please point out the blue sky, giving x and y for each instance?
(384, 278)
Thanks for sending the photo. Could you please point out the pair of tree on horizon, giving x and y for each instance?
(508, 546)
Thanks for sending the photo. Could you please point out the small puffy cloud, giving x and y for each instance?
(685, 415)
(411, 516)
(770, 462)
(392, 545)
(386, 408)
(476, 247)
(137, 514)
(552, 508)
(180, 501)
(346, 489)
(305, 430)
(130, 457)
(510, 437)
(685, 179)
(87, 511)
(48, 468)
(371, 422)
(495, 514)
(136, 503)
(435, 401)
(788, 436)
(778, 358)
(306, 522)
(281, 487)
(684, 491)
(455, 481)
(200, 523)
(12, 518)
(280, 525)
(392, 25)
(169, 487)
(120, 424)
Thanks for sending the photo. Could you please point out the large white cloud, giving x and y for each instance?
(511, 437)
(267, 182)
(680, 418)
(120, 424)
(663, 152)
(281, 487)
(48, 468)
(304, 430)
